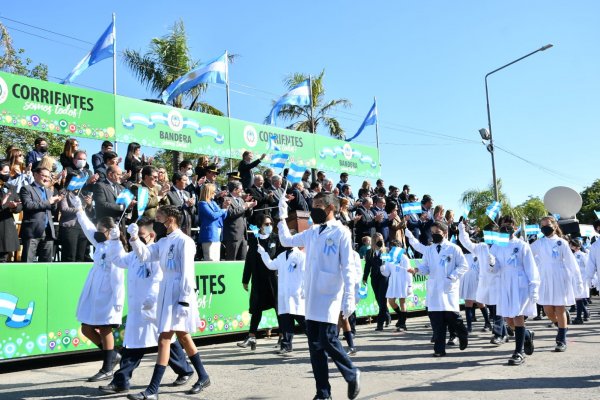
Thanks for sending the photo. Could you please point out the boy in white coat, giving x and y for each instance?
(141, 332)
(290, 267)
(328, 286)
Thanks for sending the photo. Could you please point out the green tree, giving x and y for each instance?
(14, 61)
(532, 210)
(306, 121)
(591, 202)
(479, 199)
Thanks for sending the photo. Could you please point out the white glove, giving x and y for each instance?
(408, 233)
(410, 291)
(114, 233)
(148, 303)
(283, 207)
(181, 311)
(260, 249)
(382, 268)
(533, 295)
(119, 308)
(133, 230)
(348, 308)
(76, 202)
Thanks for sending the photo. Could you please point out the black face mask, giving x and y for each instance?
(507, 229)
(437, 238)
(143, 240)
(4, 177)
(99, 237)
(547, 230)
(318, 215)
(43, 149)
(379, 244)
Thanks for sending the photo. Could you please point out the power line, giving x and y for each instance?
(45, 30)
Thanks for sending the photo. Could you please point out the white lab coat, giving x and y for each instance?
(143, 281)
(519, 279)
(103, 294)
(175, 253)
(359, 272)
(329, 282)
(592, 269)
(290, 269)
(582, 259)
(470, 280)
(560, 277)
(444, 270)
(488, 287)
(400, 280)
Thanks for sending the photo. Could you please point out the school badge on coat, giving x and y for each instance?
(330, 247)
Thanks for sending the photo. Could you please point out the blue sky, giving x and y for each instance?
(424, 61)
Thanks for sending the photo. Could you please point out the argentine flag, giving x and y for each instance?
(279, 160)
(125, 198)
(532, 229)
(104, 48)
(295, 173)
(411, 208)
(497, 238)
(299, 95)
(214, 71)
(77, 182)
(142, 201)
(493, 210)
(371, 119)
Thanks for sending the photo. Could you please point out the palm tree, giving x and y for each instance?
(479, 199)
(307, 121)
(166, 59)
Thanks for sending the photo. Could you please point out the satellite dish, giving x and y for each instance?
(563, 201)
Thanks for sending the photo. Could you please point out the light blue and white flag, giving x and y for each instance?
(411, 208)
(125, 198)
(279, 160)
(497, 238)
(254, 229)
(16, 317)
(214, 71)
(466, 211)
(493, 210)
(299, 95)
(370, 119)
(142, 200)
(597, 214)
(272, 143)
(104, 48)
(295, 173)
(532, 229)
(556, 216)
(77, 182)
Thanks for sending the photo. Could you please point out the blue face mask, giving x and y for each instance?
(268, 230)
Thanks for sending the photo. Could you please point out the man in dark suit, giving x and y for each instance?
(106, 192)
(298, 203)
(110, 158)
(366, 225)
(37, 228)
(278, 191)
(234, 226)
(262, 197)
(98, 158)
(181, 198)
(245, 167)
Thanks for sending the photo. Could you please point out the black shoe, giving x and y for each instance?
(510, 331)
(284, 352)
(516, 359)
(528, 345)
(250, 341)
(438, 355)
(463, 342)
(101, 376)
(451, 341)
(352, 351)
(432, 339)
(142, 396)
(486, 328)
(321, 398)
(560, 347)
(388, 321)
(572, 309)
(111, 388)
(499, 340)
(182, 380)
(116, 361)
(278, 345)
(199, 386)
(586, 319)
(577, 321)
(378, 329)
(537, 318)
(354, 386)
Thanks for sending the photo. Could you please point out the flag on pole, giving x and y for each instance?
(77, 182)
(142, 200)
(532, 229)
(104, 48)
(370, 119)
(214, 71)
(411, 208)
(295, 173)
(279, 160)
(493, 210)
(254, 229)
(299, 95)
(125, 198)
(272, 144)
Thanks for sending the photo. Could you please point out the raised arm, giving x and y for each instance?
(414, 242)
(464, 238)
(271, 264)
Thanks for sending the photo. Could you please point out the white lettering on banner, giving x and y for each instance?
(38, 107)
(203, 302)
(59, 110)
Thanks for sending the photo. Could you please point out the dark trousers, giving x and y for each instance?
(323, 341)
(236, 250)
(42, 248)
(286, 324)
(498, 327)
(255, 321)
(132, 357)
(380, 286)
(442, 321)
(4, 256)
(74, 244)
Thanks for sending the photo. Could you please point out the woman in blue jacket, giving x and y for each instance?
(211, 222)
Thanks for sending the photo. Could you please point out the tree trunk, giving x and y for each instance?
(177, 158)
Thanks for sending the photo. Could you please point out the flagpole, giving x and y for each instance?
(114, 17)
(377, 130)
(312, 122)
(227, 95)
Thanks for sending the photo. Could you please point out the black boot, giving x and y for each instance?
(402, 321)
(397, 311)
(250, 341)
(469, 318)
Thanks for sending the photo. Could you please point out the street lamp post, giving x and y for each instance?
(490, 147)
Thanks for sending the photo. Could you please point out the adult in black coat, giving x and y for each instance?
(182, 199)
(10, 204)
(379, 283)
(298, 203)
(245, 167)
(264, 199)
(106, 192)
(234, 227)
(263, 293)
(366, 225)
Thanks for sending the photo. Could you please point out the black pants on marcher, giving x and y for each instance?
(286, 325)
(255, 321)
(380, 287)
(440, 322)
(74, 244)
(323, 341)
(132, 357)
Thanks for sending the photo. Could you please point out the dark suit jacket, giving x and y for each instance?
(189, 213)
(365, 226)
(35, 212)
(234, 226)
(277, 193)
(97, 161)
(245, 169)
(299, 202)
(105, 198)
(9, 240)
(262, 202)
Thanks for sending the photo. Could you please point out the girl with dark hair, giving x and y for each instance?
(135, 161)
(581, 298)
(379, 283)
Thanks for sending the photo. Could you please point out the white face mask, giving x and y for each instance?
(189, 172)
(79, 164)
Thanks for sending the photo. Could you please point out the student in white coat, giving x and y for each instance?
(444, 263)
(290, 267)
(592, 269)
(328, 286)
(581, 298)
(400, 282)
(560, 277)
(177, 312)
(100, 307)
(141, 332)
(519, 286)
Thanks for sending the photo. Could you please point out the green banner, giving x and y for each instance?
(272, 140)
(165, 127)
(51, 107)
(341, 156)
